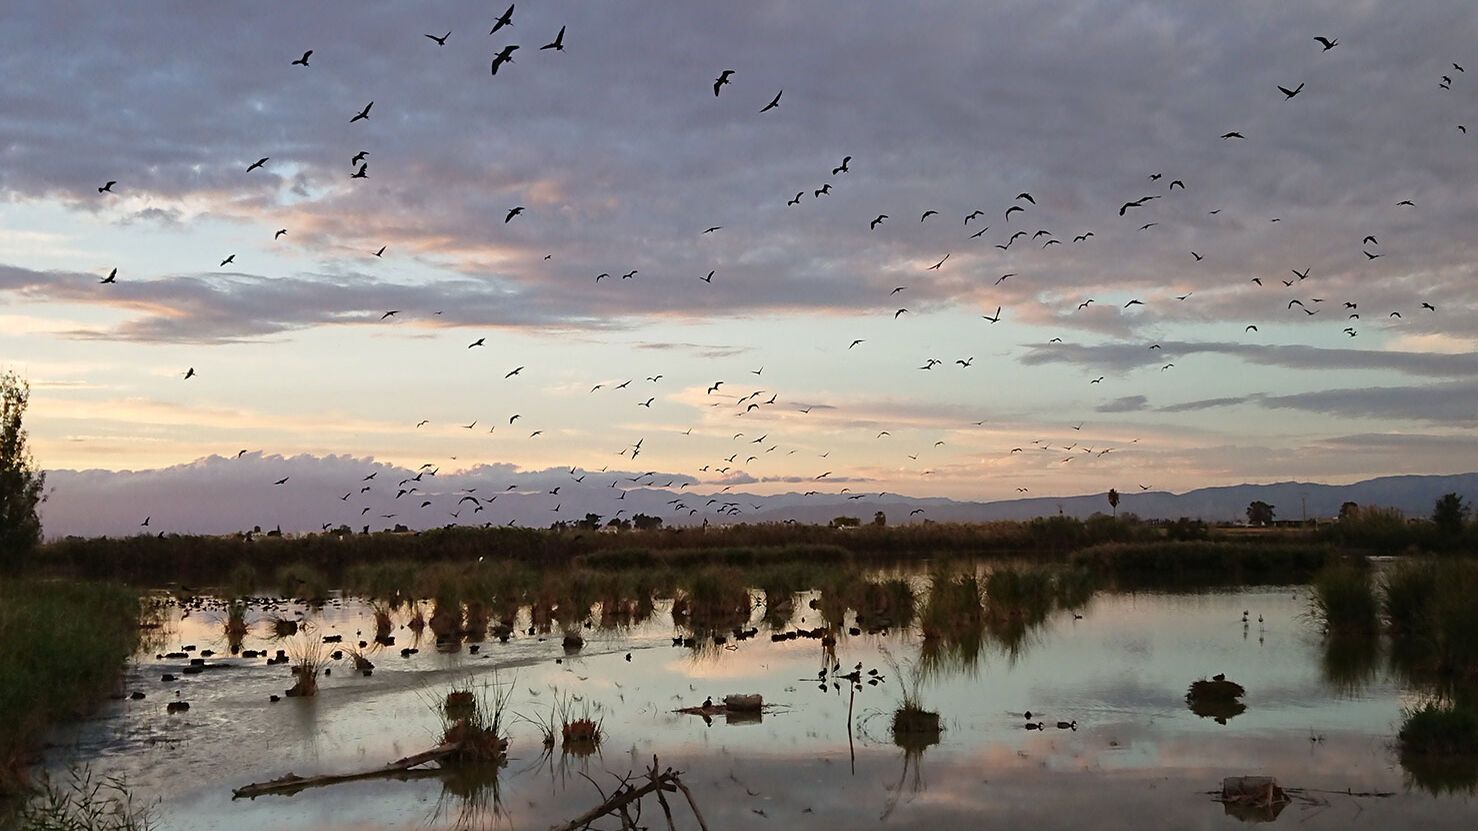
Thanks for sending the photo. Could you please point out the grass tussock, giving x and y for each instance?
(1344, 600)
(308, 660)
(472, 718)
(1436, 729)
(63, 645)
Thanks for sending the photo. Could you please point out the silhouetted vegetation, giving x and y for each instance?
(21, 484)
(1344, 599)
(63, 646)
(1244, 561)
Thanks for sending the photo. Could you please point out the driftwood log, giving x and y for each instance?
(291, 784)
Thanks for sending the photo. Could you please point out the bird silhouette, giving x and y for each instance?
(440, 41)
(111, 278)
(876, 222)
(506, 19)
(841, 168)
(363, 114)
(512, 213)
(503, 56)
(721, 81)
(558, 44)
(774, 102)
(256, 164)
(1288, 94)
(1327, 43)
(303, 61)
(108, 186)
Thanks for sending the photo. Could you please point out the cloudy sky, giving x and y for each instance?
(621, 156)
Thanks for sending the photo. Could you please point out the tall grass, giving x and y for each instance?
(84, 801)
(1344, 600)
(62, 646)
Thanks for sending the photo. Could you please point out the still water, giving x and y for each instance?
(1119, 667)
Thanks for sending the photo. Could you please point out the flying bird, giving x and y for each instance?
(258, 163)
(927, 214)
(505, 56)
(1289, 93)
(381, 252)
(303, 61)
(775, 102)
(721, 80)
(363, 114)
(505, 20)
(111, 278)
(1233, 135)
(841, 168)
(513, 372)
(391, 313)
(279, 233)
(558, 44)
(478, 342)
(189, 373)
(1327, 43)
(108, 188)
(228, 261)
(440, 41)
(361, 173)
(876, 222)
(512, 213)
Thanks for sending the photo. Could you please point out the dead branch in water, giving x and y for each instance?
(291, 784)
(626, 797)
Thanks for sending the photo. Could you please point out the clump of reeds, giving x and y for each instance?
(886, 604)
(308, 660)
(282, 627)
(717, 598)
(235, 627)
(1344, 600)
(914, 727)
(84, 802)
(384, 625)
(475, 729)
(951, 605)
(63, 645)
(1436, 729)
(1409, 588)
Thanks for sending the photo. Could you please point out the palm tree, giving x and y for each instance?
(1113, 498)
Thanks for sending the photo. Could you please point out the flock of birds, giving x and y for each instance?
(1009, 227)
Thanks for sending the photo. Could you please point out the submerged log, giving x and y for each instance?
(665, 781)
(291, 783)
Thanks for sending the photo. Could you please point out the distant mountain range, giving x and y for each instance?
(1413, 495)
(216, 495)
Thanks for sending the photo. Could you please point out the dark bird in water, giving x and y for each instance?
(363, 114)
(505, 20)
(112, 277)
(558, 44)
(512, 213)
(774, 102)
(303, 61)
(108, 188)
(1327, 43)
(721, 80)
(841, 168)
(505, 56)
(1289, 93)
(258, 163)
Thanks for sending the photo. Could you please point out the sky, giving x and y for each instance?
(622, 157)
